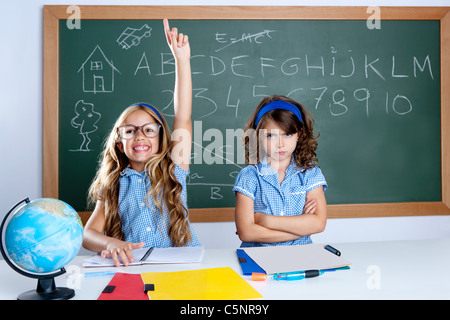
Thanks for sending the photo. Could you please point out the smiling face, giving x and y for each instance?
(140, 148)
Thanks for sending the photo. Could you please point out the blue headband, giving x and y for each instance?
(278, 104)
(150, 107)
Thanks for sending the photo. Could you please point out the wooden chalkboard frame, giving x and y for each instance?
(53, 13)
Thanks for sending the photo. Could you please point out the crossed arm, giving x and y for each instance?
(259, 227)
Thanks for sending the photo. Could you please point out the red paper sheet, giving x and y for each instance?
(128, 286)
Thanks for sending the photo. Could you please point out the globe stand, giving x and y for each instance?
(46, 288)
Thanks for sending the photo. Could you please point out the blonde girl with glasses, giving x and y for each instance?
(140, 187)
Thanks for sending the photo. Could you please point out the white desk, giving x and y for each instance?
(379, 270)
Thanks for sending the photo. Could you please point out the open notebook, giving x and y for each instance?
(153, 255)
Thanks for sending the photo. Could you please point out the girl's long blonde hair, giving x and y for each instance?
(165, 189)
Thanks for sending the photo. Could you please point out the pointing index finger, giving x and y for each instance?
(167, 30)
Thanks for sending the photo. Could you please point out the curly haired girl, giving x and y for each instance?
(280, 194)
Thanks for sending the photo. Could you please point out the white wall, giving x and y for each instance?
(21, 123)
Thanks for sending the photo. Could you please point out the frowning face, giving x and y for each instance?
(278, 145)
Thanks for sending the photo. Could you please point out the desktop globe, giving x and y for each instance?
(44, 235)
(40, 238)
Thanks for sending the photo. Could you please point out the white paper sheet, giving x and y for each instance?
(282, 259)
(158, 255)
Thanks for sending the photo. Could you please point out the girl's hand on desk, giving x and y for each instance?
(117, 248)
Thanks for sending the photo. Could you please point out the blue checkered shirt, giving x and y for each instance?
(141, 220)
(260, 183)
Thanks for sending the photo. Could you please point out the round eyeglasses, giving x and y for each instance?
(129, 131)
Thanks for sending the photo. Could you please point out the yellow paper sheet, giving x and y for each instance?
(202, 284)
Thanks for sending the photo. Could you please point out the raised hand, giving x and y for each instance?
(178, 42)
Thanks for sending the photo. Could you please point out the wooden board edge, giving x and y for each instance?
(50, 78)
(401, 209)
(370, 210)
(250, 12)
(445, 109)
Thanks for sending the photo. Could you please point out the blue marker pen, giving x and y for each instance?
(291, 276)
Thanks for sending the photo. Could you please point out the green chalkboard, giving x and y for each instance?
(375, 95)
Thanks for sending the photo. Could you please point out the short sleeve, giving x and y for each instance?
(247, 182)
(180, 174)
(314, 178)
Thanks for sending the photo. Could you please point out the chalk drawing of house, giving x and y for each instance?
(98, 72)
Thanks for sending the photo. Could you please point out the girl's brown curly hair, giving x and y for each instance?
(305, 151)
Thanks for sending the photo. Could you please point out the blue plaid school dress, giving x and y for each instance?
(260, 183)
(141, 220)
